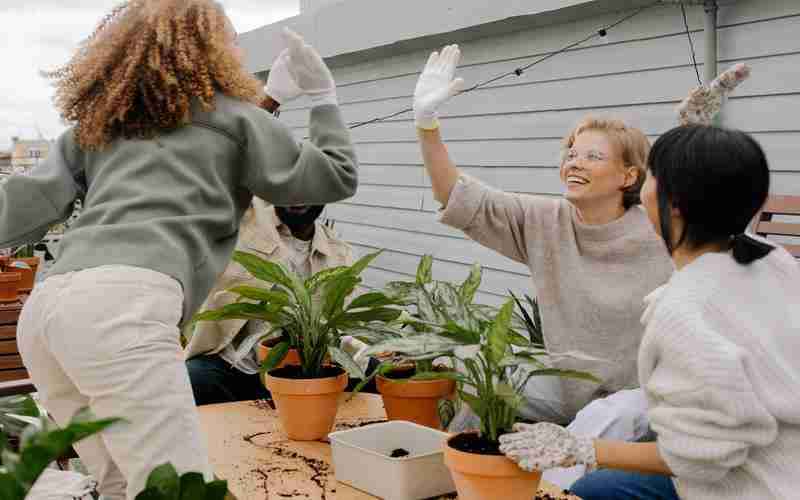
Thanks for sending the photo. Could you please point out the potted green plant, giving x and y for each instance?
(428, 302)
(25, 262)
(42, 444)
(490, 349)
(10, 279)
(313, 315)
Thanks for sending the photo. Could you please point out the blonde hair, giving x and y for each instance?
(631, 143)
(140, 70)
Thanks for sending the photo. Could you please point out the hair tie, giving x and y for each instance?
(747, 249)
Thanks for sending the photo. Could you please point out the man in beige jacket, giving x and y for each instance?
(221, 356)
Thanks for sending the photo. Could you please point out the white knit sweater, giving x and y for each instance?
(720, 364)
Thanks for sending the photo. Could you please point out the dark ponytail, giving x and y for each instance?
(718, 179)
(747, 249)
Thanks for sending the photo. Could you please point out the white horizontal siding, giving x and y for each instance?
(508, 134)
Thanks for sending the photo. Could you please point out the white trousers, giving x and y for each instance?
(108, 338)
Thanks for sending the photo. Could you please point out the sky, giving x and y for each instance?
(42, 34)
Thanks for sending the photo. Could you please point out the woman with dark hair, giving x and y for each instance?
(168, 146)
(718, 361)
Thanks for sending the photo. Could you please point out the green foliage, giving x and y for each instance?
(42, 443)
(16, 413)
(484, 341)
(312, 314)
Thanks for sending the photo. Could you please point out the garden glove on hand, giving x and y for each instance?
(704, 102)
(309, 71)
(280, 84)
(435, 86)
(542, 446)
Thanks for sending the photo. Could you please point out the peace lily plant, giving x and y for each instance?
(310, 316)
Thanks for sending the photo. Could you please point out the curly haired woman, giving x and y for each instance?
(168, 147)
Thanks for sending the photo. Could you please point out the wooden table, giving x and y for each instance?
(250, 450)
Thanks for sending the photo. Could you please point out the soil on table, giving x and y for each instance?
(295, 372)
(399, 453)
(473, 443)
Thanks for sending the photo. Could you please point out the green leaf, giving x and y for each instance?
(558, 372)
(313, 283)
(193, 486)
(456, 332)
(10, 489)
(358, 267)
(439, 375)
(518, 340)
(239, 310)
(478, 405)
(264, 270)
(273, 297)
(346, 361)
(165, 480)
(336, 292)
(471, 284)
(424, 273)
(498, 338)
(43, 447)
(150, 494)
(414, 345)
(371, 299)
(378, 314)
(216, 490)
(275, 356)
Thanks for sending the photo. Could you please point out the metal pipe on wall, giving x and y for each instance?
(711, 49)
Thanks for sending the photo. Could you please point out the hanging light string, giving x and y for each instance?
(602, 32)
(691, 44)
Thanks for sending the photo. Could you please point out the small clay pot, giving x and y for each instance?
(306, 407)
(9, 286)
(485, 477)
(414, 400)
(28, 274)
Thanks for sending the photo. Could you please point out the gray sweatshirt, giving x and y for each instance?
(173, 204)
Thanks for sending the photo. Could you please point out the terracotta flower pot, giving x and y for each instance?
(414, 400)
(484, 477)
(306, 407)
(9, 286)
(292, 357)
(28, 275)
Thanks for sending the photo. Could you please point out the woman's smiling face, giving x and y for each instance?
(593, 170)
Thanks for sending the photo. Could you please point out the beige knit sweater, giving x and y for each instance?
(590, 280)
(719, 365)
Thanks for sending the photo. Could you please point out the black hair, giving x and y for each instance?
(718, 179)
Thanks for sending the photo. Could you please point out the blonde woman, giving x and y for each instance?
(592, 255)
(168, 146)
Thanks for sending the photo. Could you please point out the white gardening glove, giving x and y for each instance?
(545, 446)
(704, 102)
(435, 86)
(280, 84)
(309, 71)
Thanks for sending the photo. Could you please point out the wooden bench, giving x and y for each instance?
(11, 367)
(787, 229)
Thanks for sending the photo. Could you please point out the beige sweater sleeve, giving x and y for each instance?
(504, 222)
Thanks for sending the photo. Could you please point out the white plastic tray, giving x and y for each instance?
(361, 459)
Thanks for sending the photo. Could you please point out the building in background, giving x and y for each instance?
(509, 132)
(27, 153)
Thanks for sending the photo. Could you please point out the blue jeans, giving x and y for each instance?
(214, 380)
(609, 484)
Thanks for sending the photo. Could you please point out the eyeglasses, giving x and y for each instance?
(590, 156)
